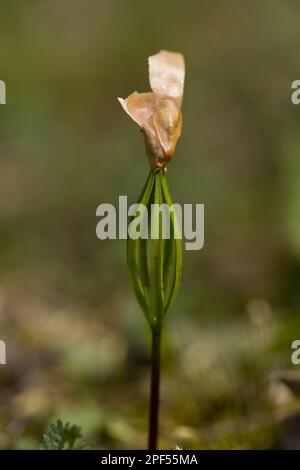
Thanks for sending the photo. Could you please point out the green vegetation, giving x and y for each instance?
(77, 345)
(63, 437)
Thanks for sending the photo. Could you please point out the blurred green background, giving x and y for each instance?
(77, 343)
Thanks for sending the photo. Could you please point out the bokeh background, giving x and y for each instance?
(77, 343)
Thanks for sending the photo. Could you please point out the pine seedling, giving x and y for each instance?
(154, 260)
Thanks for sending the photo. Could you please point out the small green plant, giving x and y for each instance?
(63, 436)
(154, 268)
(155, 261)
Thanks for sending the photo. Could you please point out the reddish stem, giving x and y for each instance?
(154, 391)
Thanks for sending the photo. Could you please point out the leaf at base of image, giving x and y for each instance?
(63, 436)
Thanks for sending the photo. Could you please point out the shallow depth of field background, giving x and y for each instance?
(77, 343)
